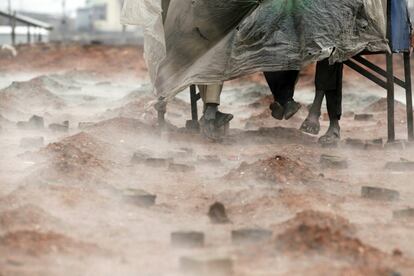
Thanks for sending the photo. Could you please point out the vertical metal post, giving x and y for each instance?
(13, 29)
(409, 96)
(390, 98)
(193, 96)
(390, 78)
(39, 35)
(161, 107)
(28, 35)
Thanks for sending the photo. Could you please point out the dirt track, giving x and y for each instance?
(80, 201)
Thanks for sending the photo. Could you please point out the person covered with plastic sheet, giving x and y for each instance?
(282, 85)
(328, 82)
(212, 119)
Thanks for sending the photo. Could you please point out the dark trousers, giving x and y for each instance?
(329, 79)
(282, 84)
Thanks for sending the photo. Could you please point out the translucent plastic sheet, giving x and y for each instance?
(207, 41)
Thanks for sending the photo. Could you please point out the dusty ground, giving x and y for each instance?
(78, 201)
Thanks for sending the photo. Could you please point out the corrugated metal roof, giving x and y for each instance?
(28, 20)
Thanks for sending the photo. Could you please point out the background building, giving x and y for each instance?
(99, 21)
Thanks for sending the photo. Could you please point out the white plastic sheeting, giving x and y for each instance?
(207, 41)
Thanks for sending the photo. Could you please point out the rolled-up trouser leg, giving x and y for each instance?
(329, 79)
(210, 94)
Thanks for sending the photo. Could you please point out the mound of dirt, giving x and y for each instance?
(121, 125)
(278, 169)
(272, 135)
(74, 158)
(381, 106)
(37, 243)
(137, 94)
(105, 60)
(32, 93)
(140, 108)
(321, 219)
(26, 217)
(326, 234)
(137, 109)
(87, 143)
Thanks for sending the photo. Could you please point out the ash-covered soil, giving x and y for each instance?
(92, 186)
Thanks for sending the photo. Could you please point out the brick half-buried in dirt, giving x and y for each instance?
(400, 166)
(207, 266)
(404, 214)
(190, 239)
(174, 167)
(158, 162)
(381, 194)
(248, 235)
(363, 117)
(333, 162)
(139, 197)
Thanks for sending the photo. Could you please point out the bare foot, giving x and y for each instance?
(332, 136)
(311, 125)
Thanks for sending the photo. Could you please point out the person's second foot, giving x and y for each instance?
(331, 137)
(311, 125)
(277, 110)
(291, 108)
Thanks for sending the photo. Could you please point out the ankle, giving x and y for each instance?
(210, 111)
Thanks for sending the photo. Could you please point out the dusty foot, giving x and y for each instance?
(291, 108)
(331, 137)
(311, 125)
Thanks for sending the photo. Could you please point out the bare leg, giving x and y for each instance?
(333, 135)
(333, 102)
(311, 125)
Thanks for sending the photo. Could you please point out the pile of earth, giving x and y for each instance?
(105, 60)
(74, 158)
(137, 94)
(36, 243)
(122, 126)
(26, 217)
(34, 93)
(278, 169)
(272, 135)
(381, 106)
(330, 235)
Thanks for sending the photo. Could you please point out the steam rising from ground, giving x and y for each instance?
(64, 207)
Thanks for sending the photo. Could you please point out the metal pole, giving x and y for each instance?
(13, 29)
(193, 96)
(28, 35)
(63, 21)
(9, 8)
(409, 96)
(390, 79)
